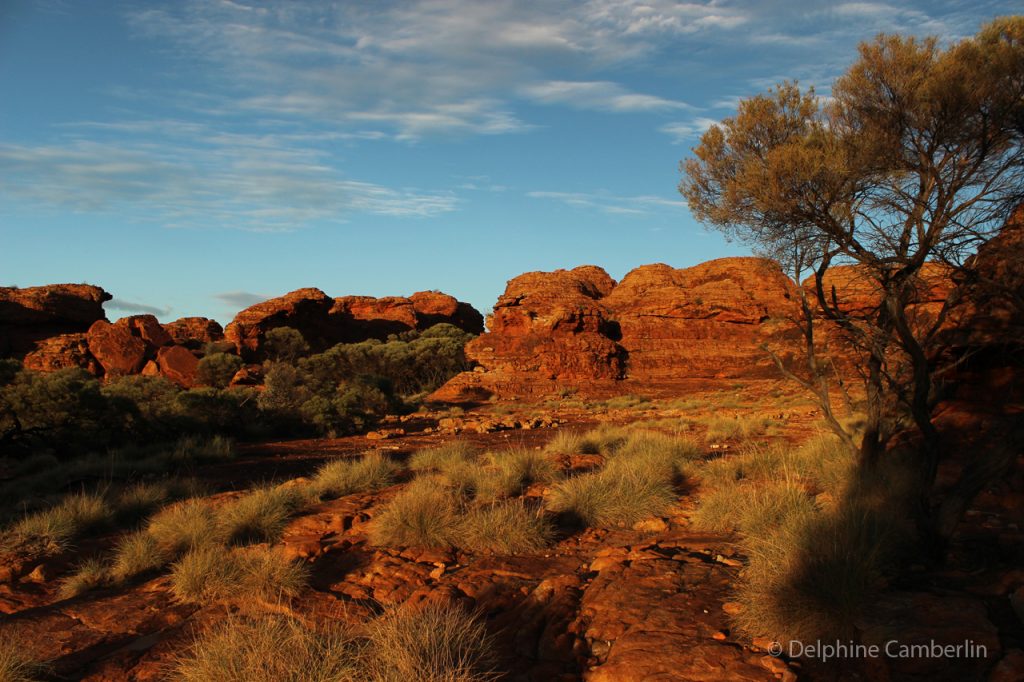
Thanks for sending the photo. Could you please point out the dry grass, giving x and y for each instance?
(372, 471)
(215, 573)
(258, 516)
(505, 527)
(753, 508)
(736, 428)
(72, 517)
(183, 526)
(443, 457)
(425, 514)
(136, 553)
(438, 643)
(608, 498)
(507, 473)
(16, 663)
(270, 649)
(89, 575)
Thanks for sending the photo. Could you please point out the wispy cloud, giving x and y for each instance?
(240, 299)
(687, 131)
(250, 182)
(598, 95)
(611, 203)
(136, 308)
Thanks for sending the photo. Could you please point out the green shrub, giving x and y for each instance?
(285, 344)
(341, 477)
(505, 527)
(217, 370)
(425, 514)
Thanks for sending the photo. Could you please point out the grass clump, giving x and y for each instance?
(507, 473)
(753, 508)
(203, 450)
(443, 457)
(437, 643)
(72, 517)
(213, 572)
(136, 553)
(425, 514)
(608, 498)
(183, 526)
(372, 471)
(89, 575)
(504, 527)
(736, 428)
(16, 664)
(258, 516)
(270, 649)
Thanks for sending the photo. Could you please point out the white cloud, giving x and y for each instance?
(598, 95)
(136, 308)
(240, 299)
(687, 131)
(255, 183)
(610, 203)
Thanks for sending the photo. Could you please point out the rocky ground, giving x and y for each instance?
(651, 602)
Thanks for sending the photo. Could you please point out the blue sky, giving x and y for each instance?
(193, 157)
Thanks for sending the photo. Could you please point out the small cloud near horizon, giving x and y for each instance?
(240, 299)
(137, 308)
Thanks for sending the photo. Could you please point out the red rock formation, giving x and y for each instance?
(303, 309)
(36, 313)
(194, 332)
(659, 326)
(324, 321)
(116, 348)
(178, 364)
(60, 352)
(147, 328)
(701, 322)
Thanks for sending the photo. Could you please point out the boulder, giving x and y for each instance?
(116, 349)
(31, 314)
(435, 307)
(178, 364)
(358, 318)
(194, 332)
(147, 328)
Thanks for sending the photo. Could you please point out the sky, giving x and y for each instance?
(195, 157)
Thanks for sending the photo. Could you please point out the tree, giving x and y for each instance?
(218, 369)
(286, 344)
(916, 158)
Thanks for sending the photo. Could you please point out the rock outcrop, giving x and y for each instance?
(578, 329)
(36, 313)
(324, 321)
(194, 332)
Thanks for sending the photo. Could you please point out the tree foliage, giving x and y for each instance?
(916, 157)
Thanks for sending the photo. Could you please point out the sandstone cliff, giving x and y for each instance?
(36, 313)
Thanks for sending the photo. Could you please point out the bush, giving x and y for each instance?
(507, 473)
(285, 344)
(425, 514)
(341, 477)
(218, 369)
(65, 410)
(270, 649)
